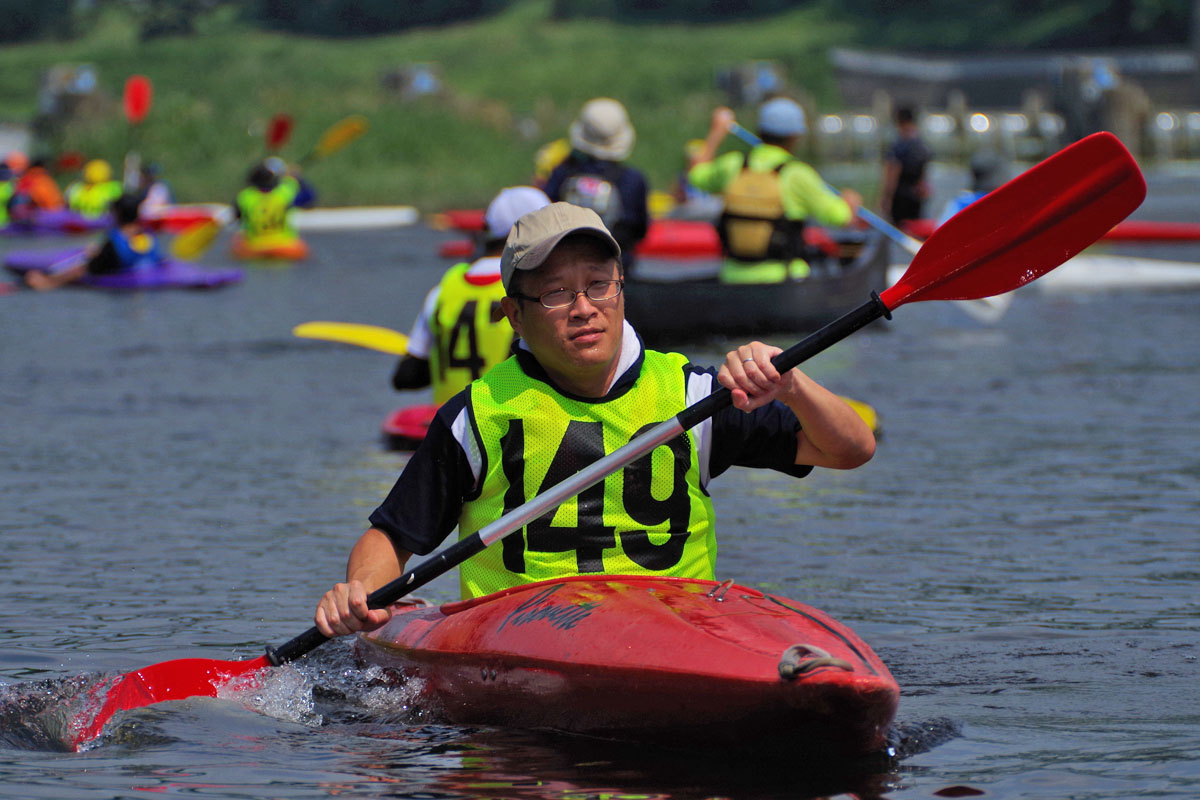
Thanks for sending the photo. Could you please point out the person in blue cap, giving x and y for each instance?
(769, 196)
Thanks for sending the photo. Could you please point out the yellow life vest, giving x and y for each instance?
(651, 518)
(93, 199)
(6, 193)
(470, 334)
(268, 213)
(754, 225)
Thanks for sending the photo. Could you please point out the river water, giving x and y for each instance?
(182, 477)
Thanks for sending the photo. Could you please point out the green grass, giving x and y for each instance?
(513, 82)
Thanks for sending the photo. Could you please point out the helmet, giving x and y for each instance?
(97, 171)
(781, 117)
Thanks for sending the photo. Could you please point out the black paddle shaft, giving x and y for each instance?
(446, 560)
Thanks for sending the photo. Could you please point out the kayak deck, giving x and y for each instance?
(676, 662)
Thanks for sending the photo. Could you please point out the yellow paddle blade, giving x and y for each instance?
(374, 337)
(192, 243)
(339, 135)
(865, 411)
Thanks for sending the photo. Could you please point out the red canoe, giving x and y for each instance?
(677, 662)
(405, 427)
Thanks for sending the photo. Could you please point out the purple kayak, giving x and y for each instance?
(170, 275)
(64, 221)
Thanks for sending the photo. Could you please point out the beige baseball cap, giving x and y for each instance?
(537, 233)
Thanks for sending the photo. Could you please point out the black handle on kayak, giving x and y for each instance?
(795, 355)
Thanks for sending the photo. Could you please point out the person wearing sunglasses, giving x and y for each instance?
(579, 385)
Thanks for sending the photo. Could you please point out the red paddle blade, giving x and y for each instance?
(69, 161)
(138, 94)
(157, 683)
(278, 131)
(1027, 227)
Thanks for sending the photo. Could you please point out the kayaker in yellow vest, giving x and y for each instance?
(7, 184)
(92, 196)
(769, 196)
(461, 332)
(264, 208)
(579, 385)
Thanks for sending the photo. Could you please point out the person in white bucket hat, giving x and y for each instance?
(594, 175)
(457, 336)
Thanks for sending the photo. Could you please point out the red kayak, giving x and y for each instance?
(673, 661)
(1130, 230)
(405, 427)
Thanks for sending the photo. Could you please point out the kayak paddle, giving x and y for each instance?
(137, 97)
(988, 310)
(336, 137)
(278, 131)
(1005, 240)
(374, 337)
(192, 242)
(136, 102)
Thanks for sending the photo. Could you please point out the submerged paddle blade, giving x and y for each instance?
(157, 683)
(138, 94)
(1027, 227)
(374, 337)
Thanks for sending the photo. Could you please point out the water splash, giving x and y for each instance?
(40, 715)
(284, 693)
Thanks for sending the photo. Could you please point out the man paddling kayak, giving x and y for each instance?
(458, 336)
(579, 385)
(769, 196)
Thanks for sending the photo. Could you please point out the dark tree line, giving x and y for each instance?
(897, 24)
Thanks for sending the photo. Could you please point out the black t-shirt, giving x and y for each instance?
(423, 506)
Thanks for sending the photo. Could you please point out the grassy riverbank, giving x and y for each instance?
(511, 83)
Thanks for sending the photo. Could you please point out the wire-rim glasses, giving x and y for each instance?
(596, 291)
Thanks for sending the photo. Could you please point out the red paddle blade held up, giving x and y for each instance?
(138, 95)
(279, 129)
(1028, 226)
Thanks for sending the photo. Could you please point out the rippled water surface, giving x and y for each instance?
(182, 477)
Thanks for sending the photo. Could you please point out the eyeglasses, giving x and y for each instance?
(562, 298)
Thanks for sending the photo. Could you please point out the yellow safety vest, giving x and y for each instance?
(651, 518)
(268, 213)
(467, 340)
(92, 200)
(6, 193)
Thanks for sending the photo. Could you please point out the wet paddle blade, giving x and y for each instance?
(170, 680)
(374, 337)
(137, 97)
(1027, 227)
